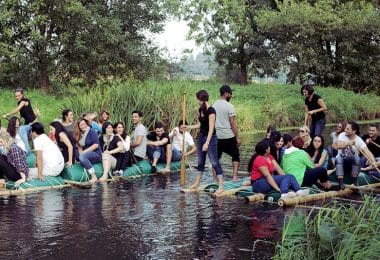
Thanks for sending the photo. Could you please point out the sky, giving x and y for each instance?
(173, 38)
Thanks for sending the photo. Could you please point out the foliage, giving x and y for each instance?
(339, 41)
(228, 29)
(333, 233)
(40, 39)
(256, 105)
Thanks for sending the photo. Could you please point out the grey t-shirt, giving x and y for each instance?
(140, 150)
(224, 110)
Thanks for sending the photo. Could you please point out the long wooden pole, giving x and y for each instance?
(369, 159)
(183, 159)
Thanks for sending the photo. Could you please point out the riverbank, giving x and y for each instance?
(256, 105)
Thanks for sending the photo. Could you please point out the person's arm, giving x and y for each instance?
(39, 164)
(265, 172)
(321, 160)
(235, 129)
(196, 126)
(192, 150)
(93, 138)
(138, 141)
(278, 168)
(322, 108)
(17, 109)
(343, 144)
(118, 149)
(211, 126)
(63, 137)
(91, 148)
(306, 114)
(163, 141)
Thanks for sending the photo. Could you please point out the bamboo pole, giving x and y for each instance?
(312, 197)
(21, 191)
(364, 187)
(183, 160)
(378, 146)
(369, 158)
(200, 188)
(255, 198)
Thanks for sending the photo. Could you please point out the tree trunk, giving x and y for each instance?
(244, 74)
(44, 78)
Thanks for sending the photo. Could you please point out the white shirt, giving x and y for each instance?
(19, 142)
(178, 139)
(352, 149)
(224, 110)
(51, 155)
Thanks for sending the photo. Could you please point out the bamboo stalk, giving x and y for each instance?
(378, 146)
(200, 188)
(183, 169)
(31, 190)
(255, 198)
(364, 187)
(369, 158)
(312, 197)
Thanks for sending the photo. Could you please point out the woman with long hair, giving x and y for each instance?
(104, 116)
(207, 142)
(65, 142)
(13, 127)
(304, 133)
(13, 163)
(318, 153)
(89, 148)
(262, 166)
(276, 143)
(68, 121)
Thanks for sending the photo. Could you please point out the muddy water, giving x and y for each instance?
(147, 218)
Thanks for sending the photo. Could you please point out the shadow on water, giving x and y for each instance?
(147, 218)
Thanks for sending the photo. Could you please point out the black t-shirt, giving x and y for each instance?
(152, 136)
(312, 105)
(372, 147)
(204, 121)
(26, 112)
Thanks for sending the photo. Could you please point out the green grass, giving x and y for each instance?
(338, 232)
(256, 105)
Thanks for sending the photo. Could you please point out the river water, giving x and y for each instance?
(147, 218)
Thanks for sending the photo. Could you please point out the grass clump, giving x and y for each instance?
(346, 232)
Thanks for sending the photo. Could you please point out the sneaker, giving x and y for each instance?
(303, 192)
(290, 194)
(153, 169)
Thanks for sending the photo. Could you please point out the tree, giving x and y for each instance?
(229, 30)
(338, 41)
(89, 39)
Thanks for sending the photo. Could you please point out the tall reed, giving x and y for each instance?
(348, 232)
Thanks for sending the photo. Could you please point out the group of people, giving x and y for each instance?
(280, 162)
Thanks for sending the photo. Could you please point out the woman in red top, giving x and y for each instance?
(262, 166)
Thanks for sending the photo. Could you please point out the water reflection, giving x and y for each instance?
(146, 218)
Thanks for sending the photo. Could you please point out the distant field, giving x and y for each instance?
(256, 105)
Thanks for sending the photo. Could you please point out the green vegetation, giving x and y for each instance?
(256, 105)
(340, 232)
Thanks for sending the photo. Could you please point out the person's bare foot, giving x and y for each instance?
(93, 179)
(103, 178)
(2, 181)
(219, 191)
(236, 178)
(166, 170)
(194, 186)
(19, 182)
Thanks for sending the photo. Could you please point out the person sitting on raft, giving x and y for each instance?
(94, 125)
(372, 139)
(89, 148)
(350, 145)
(138, 143)
(304, 133)
(262, 166)
(119, 130)
(207, 142)
(177, 138)
(113, 151)
(318, 153)
(65, 143)
(333, 149)
(297, 162)
(104, 116)
(68, 121)
(13, 127)
(276, 143)
(13, 162)
(159, 149)
(49, 158)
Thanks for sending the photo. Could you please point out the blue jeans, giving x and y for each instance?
(317, 127)
(212, 153)
(355, 162)
(176, 155)
(156, 152)
(88, 158)
(285, 182)
(24, 131)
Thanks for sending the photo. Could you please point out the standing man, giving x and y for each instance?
(139, 136)
(226, 128)
(26, 111)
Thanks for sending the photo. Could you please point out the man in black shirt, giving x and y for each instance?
(372, 139)
(159, 147)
